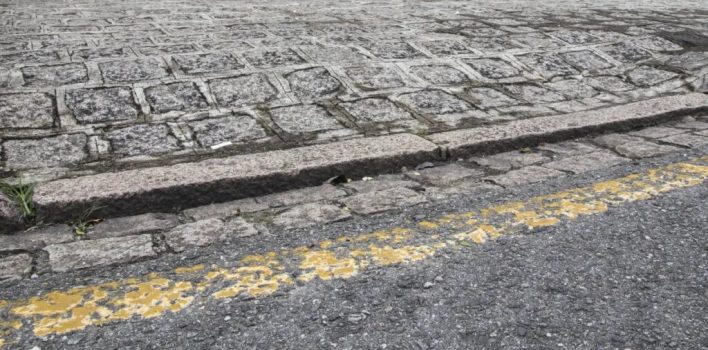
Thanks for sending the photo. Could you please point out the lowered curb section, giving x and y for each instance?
(169, 188)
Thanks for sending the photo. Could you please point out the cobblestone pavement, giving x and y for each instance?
(87, 87)
(58, 248)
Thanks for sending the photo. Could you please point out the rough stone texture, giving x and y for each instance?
(133, 225)
(206, 63)
(686, 140)
(657, 132)
(523, 132)
(493, 68)
(313, 84)
(34, 110)
(444, 175)
(374, 78)
(384, 200)
(175, 97)
(256, 174)
(55, 75)
(302, 119)
(488, 97)
(614, 140)
(382, 182)
(310, 194)
(136, 70)
(535, 94)
(643, 149)
(273, 58)
(15, 267)
(376, 110)
(626, 52)
(568, 148)
(101, 252)
(510, 160)
(196, 234)
(243, 90)
(440, 74)
(585, 60)
(648, 76)
(10, 215)
(238, 128)
(586, 162)
(225, 210)
(310, 214)
(526, 175)
(548, 65)
(393, 50)
(102, 104)
(36, 238)
(434, 102)
(142, 139)
(47, 152)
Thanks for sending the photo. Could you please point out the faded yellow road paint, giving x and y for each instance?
(260, 275)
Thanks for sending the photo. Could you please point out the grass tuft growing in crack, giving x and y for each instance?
(22, 195)
(82, 223)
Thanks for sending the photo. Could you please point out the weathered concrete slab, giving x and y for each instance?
(531, 131)
(216, 180)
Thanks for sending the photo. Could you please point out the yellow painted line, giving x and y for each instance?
(260, 275)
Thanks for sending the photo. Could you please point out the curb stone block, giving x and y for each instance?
(100, 252)
(10, 216)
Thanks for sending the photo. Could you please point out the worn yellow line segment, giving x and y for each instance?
(259, 275)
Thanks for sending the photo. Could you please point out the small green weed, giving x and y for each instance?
(82, 223)
(22, 195)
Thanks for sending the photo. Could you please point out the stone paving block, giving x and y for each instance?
(36, 238)
(523, 176)
(15, 267)
(225, 210)
(375, 110)
(135, 70)
(626, 52)
(493, 68)
(40, 76)
(692, 124)
(300, 119)
(175, 97)
(657, 132)
(444, 47)
(568, 148)
(643, 149)
(534, 94)
(611, 83)
(536, 40)
(101, 53)
(133, 225)
(687, 140)
(510, 160)
(434, 102)
(238, 227)
(10, 216)
(490, 44)
(385, 200)
(196, 234)
(226, 46)
(29, 110)
(575, 89)
(166, 49)
(100, 252)
(273, 58)
(586, 162)
(29, 57)
(207, 63)
(100, 105)
(375, 77)
(614, 140)
(575, 37)
(59, 150)
(690, 60)
(585, 60)
(243, 90)
(142, 139)
(548, 65)
(313, 84)
(648, 76)
(311, 194)
(488, 97)
(393, 50)
(382, 182)
(334, 54)
(445, 175)
(237, 128)
(309, 214)
(440, 74)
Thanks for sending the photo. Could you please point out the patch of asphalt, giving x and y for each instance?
(632, 277)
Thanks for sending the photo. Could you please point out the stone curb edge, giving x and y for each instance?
(174, 187)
